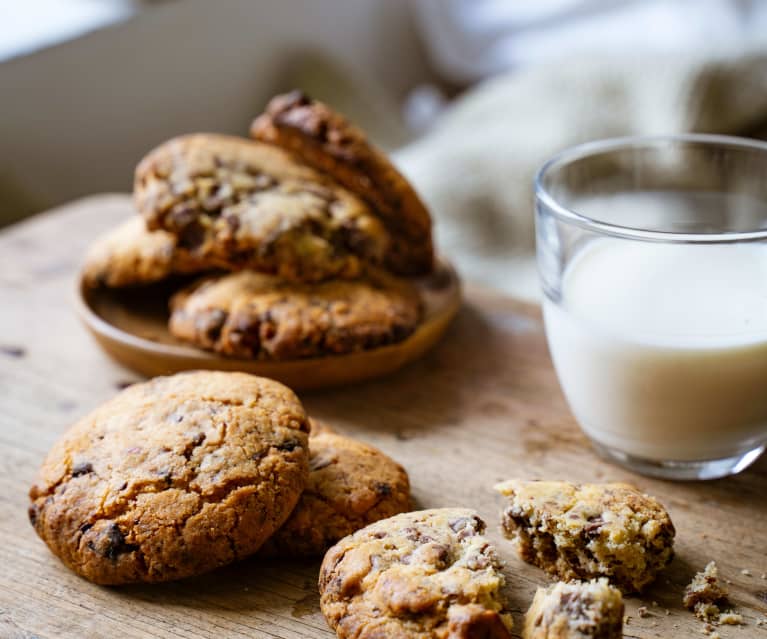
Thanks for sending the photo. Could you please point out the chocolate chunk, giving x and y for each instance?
(191, 235)
(110, 543)
(467, 526)
(382, 489)
(289, 445)
(210, 324)
(593, 527)
(32, 512)
(83, 468)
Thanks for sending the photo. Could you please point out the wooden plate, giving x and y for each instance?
(131, 326)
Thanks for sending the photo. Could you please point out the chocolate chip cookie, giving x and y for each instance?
(327, 141)
(130, 255)
(244, 204)
(350, 486)
(589, 530)
(173, 477)
(421, 575)
(575, 610)
(252, 315)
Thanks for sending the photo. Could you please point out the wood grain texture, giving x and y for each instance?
(483, 406)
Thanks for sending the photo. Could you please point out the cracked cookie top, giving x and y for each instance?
(326, 140)
(130, 254)
(173, 477)
(428, 574)
(350, 485)
(252, 315)
(240, 204)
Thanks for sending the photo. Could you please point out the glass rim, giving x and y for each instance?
(580, 151)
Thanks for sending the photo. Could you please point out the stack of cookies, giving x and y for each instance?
(305, 237)
(180, 475)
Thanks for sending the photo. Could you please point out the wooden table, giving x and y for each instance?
(484, 406)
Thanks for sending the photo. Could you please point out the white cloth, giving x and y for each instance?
(469, 40)
(476, 166)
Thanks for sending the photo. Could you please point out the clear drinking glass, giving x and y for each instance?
(652, 253)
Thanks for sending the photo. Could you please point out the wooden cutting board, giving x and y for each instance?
(483, 406)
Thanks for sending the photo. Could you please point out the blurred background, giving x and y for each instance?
(470, 96)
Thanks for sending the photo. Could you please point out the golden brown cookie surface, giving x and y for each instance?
(429, 574)
(252, 315)
(327, 141)
(130, 254)
(350, 485)
(173, 477)
(243, 204)
(588, 531)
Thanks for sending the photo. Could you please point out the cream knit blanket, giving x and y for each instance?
(475, 167)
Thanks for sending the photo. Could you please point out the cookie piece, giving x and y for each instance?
(590, 530)
(575, 610)
(327, 141)
(706, 594)
(252, 315)
(350, 486)
(173, 477)
(420, 575)
(244, 204)
(130, 254)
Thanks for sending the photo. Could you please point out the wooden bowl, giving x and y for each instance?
(131, 325)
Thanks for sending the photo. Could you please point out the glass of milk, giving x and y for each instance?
(652, 253)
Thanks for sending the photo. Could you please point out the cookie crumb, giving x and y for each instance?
(745, 572)
(731, 619)
(705, 596)
(627, 620)
(704, 592)
(642, 612)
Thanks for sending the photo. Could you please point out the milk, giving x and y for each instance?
(661, 349)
